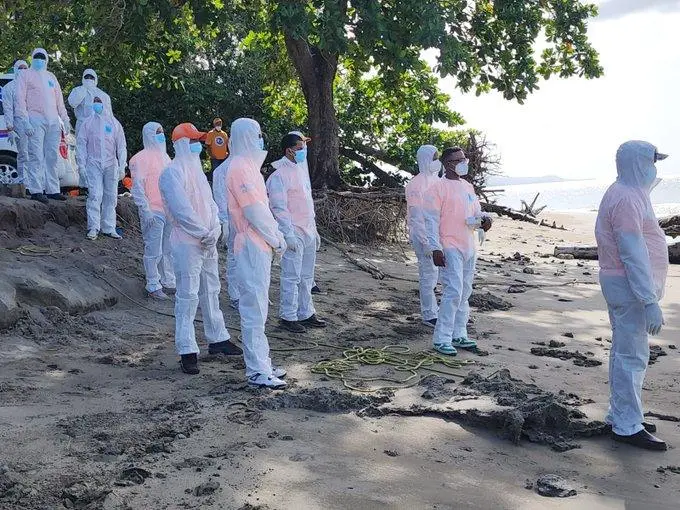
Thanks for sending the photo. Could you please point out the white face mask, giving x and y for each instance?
(435, 167)
(89, 83)
(462, 168)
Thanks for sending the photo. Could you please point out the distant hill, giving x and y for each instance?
(502, 180)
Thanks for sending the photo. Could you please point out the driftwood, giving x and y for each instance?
(532, 210)
(363, 265)
(590, 252)
(578, 252)
(670, 225)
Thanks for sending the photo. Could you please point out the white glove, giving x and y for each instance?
(225, 233)
(12, 137)
(28, 129)
(654, 319)
(121, 173)
(318, 242)
(281, 249)
(473, 222)
(481, 235)
(292, 242)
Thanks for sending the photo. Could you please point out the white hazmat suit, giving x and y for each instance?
(256, 235)
(13, 122)
(145, 168)
(220, 195)
(101, 150)
(291, 202)
(195, 230)
(633, 258)
(82, 97)
(416, 194)
(40, 106)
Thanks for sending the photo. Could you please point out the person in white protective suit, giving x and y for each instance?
(416, 193)
(101, 150)
(12, 121)
(145, 168)
(82, 97)
(42, 113)
(228, 231)
(290, 199)
(304, 168)
(195, 230)
(633, 258)
(257, 235)
(452, 215)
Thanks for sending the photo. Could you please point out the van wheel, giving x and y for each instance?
(9, 173)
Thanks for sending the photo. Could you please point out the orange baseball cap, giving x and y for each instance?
(187, 130)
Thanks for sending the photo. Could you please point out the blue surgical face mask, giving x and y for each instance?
(196, 147)
(160, 138)
(300, 155)
(98, 108)
(38, 64)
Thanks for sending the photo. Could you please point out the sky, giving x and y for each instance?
(572, 128)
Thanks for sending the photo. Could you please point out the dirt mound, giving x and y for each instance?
(487, 302)
(580, 359)
(323, 400)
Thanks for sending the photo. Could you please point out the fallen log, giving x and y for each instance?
(590, 252)
(506, 211)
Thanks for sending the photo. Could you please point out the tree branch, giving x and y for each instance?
(384, 177)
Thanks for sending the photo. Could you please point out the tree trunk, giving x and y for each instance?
(317, 71)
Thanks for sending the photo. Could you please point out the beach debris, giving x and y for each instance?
(579, 359)
(205, 489)
(391, 453)
(532, 210)
(662, 417)
(517, 289)
(487, 302)
(323, 400)
(568, 335)
(655, 352)
(673, 469)
(554, 344)
(672, 347)
(134, 474)
(529, 270)
(300, 457)
(554, 486)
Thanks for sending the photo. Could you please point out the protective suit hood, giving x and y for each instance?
(245, 140)
(149, 137)
(424, 158)
(93, 73)
(16, 66)
(44, 52)
(183, 151)
(635, 164)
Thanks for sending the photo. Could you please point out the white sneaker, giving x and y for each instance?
(279, 372)
(113, 235)
(266, 381)
(92, 235)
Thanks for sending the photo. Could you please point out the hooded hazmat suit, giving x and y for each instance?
(42, 113)
(256, 234)
(220, 195)
(195, 230)
(449, 204)
(416, 193)
(82, 97)
(291, 202)
(101, 150)
(146, 167)
(633, 258)
(12, 119)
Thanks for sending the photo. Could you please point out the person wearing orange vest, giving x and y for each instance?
(217, 142)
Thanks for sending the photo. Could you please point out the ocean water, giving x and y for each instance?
(585, 196)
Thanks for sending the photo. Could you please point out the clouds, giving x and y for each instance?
(615, 9)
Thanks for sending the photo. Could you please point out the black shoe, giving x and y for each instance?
(292, 326)
(649, 427)
(56, 196)
(642, 439)
(189, 364)
(314, 322)
(39, 197)
(225, 347)
(316, 290)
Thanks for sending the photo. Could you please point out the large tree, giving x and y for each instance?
(484, 44)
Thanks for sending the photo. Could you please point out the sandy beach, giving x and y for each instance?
(95, 412)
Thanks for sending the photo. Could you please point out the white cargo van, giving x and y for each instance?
(68, 175)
